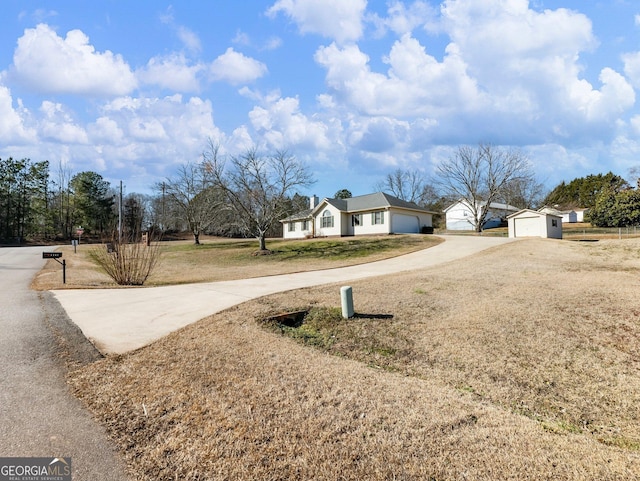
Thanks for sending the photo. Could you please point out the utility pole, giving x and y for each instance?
(120, 216)
(162, 226)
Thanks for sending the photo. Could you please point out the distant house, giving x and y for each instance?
(531, 223)
(377, 213)
(569, 216)
(580, 214)
(460, 217)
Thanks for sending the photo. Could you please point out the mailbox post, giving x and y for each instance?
(55, 256)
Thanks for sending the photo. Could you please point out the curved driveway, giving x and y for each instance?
(40, 417)
(120, 320)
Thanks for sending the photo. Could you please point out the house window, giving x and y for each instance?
(356, 220)
(305, 225)
(377, 217)
(327, 219)
(292, 226)
(554, 222)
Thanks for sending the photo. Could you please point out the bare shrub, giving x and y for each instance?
(127, 263)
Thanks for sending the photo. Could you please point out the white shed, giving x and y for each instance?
(529, 223)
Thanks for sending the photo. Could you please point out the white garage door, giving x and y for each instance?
(527, 227)
(405, 224)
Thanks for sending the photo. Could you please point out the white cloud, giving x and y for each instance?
(105, 131)
(416, 84)
(402, 18)
(632, 67)
(272, 43)
(146, 130)
(172, 72)
(337, 19)
(515, 52)
(613, 99)
(189, 39)
(281, 124)
(509, 74)
(378, 134)
(169, 121)
(58, 124)
(242, 38)
(12, 125)
(236, 68)
(52, 64)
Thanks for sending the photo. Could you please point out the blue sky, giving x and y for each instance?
(353, 88)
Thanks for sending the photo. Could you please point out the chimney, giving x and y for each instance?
(313, 201)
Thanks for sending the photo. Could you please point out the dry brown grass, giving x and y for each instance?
(219, 260)
(522, 362)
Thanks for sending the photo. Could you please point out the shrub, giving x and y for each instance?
(127, 263)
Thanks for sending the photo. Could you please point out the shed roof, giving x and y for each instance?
(535, 212)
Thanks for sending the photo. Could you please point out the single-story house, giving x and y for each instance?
(459, 216)
(531, 223)
(377, 213)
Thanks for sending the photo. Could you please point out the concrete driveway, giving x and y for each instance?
(40, 417)
(120, 320)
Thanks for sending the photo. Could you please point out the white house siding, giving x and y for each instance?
(299, 232)
(376, 213)
(528, 223)
(459, 217)
(553, 231)
(367, 227)
(338, 221)
(569, 217)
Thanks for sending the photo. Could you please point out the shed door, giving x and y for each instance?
(405, 224)
(527, 227)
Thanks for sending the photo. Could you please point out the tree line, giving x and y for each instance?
(242, 195)
(246, 195)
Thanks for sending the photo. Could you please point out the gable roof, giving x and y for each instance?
(302, 215)
(535, 212)
(377, 200)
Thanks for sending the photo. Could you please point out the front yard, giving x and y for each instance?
(520, 362)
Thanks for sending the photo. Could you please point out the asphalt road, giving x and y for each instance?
(39, 415)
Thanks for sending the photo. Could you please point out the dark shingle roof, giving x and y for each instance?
(305, 214)
(378, 200)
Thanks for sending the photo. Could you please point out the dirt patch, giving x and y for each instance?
(518, 363)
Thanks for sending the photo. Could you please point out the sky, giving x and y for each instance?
(354, 89)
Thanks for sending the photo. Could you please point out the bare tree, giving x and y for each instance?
(409, 185)
(194, 196)
(257, 188)
(525, 193)
(480, 176)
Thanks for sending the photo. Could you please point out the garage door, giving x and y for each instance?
(527, 227)
(405, 224)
